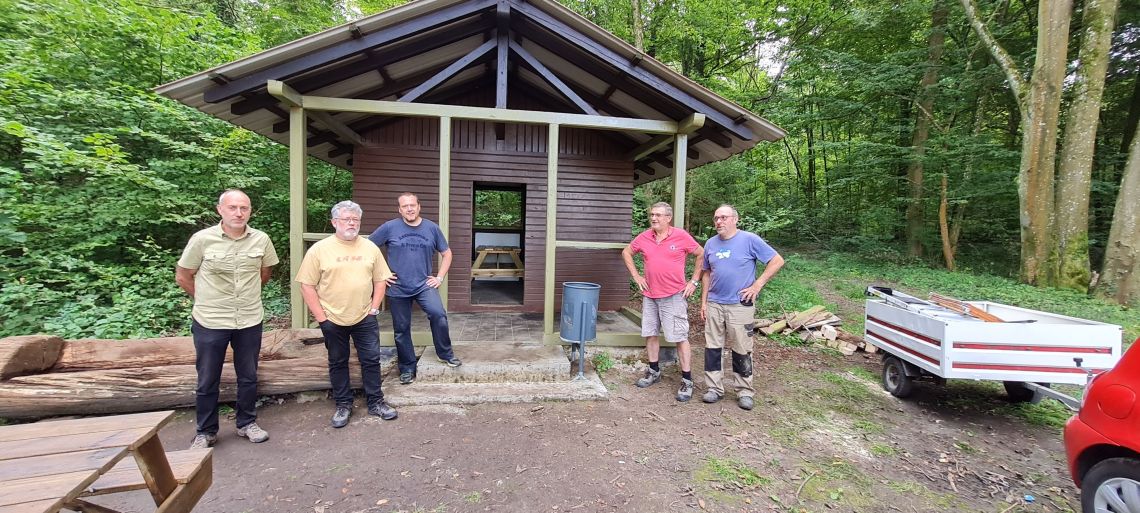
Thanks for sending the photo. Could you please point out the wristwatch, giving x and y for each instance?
(374, 311)
(695, 282)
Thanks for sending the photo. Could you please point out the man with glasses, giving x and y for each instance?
(342, 279)
(412, 244)
(727, 302)
(664, 290)
(223, 269)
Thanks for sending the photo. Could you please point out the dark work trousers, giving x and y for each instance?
(432, 305)
(366, 335)
(210, 354)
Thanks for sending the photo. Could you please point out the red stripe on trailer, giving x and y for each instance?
(914, 334)
(881, 339)
(1041, 349)
(1025, 368)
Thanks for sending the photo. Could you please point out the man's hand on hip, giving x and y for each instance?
(434, 282)
(642, 285)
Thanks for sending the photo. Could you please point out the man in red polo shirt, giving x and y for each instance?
(664, 289)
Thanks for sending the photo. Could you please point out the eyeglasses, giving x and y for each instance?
(350, 220)
(660, 215)
(723, 218)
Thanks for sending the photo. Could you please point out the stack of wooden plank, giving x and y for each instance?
(818, 326)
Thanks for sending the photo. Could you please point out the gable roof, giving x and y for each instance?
(428, 49)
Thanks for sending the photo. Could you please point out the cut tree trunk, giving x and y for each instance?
(95, 354)
(28, 354)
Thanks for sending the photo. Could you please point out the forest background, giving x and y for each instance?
(991, 137)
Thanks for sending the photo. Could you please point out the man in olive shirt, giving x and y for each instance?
(223, 269)
(342, 279)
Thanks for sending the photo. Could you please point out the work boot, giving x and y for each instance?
(203, 441)
(253, 432)
(340, 418)
(382, 410)
(745, 402)
(407, 378)
(651, 377)
(710, 397)
(451, 362)
(686, 391)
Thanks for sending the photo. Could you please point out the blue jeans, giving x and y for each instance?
(432, 305)
(366, 335)
(209, 356)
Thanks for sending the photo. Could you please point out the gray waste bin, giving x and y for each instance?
(579, 312)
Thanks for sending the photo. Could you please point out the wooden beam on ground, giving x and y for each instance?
(553, 79)
(551, 227)
(298, 196)
(449, 71)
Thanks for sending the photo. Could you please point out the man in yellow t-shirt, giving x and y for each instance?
(223, 268)
(342, 279)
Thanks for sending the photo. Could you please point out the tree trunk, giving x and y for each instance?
(1075, 177)
(1040, 105)
(638, 26)
(926, 89)
(948, 248)
(1120, 277)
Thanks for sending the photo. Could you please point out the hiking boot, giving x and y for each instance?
(203, 441)
(686, 391)
(651, 377)
(407, 378)
(253, 432)
(451, 362)
(745, 402)
(340, 418)
(382, 410)
(710, 397)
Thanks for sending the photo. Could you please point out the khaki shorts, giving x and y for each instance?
(668, 315)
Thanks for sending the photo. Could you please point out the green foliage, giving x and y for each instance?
(498, 209)
(730, 471)
(602, 361)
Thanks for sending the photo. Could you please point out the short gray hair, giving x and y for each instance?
(348, 205)
(663, 206)
(222, 197)
(730, 207)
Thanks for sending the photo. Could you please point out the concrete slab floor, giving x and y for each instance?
(505, 326)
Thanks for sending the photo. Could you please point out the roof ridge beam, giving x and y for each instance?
(553, 79)
(450, 71)
(624, 64)
(345, 49)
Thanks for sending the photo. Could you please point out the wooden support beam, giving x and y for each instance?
(444, 189)
(343, 50)
(338, 128)
(449, 71)
(585, 244)
(551, 227)
(503, 20)
(298, 161)
(680, 147)
(553, 79)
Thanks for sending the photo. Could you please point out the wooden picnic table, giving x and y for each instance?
(482, 252)
(49, 466)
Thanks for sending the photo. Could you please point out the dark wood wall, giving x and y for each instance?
(595, 197)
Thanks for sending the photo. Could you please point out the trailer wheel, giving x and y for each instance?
(1019, 393)
(895, 379)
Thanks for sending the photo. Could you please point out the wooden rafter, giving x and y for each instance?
(553, 79)
(449, 71)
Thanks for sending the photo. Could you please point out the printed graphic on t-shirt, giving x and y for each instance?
(723, 254)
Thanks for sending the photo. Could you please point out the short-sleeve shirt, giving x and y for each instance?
(227, 281)
(344, 273)
(410, 251)
(733, 264)
(664, 261)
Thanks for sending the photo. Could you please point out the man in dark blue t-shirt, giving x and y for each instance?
(412, 244)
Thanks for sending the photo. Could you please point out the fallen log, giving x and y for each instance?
(97, 354)
(148, 388)
(28, 354)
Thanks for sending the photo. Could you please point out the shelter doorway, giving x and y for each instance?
(498, 233)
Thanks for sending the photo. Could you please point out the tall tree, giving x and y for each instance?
(1120, 279)
(638, 25)
(1039, 105)
(925, 100)
(1075, 177)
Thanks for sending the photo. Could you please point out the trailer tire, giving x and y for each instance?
(1019, 393)
(895, 379)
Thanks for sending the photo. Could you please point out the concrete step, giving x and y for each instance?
(424, 394)
(493, 362)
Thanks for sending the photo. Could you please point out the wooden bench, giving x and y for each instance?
(193, 470)
(482, 252)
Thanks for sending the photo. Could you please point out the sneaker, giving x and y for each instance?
(253, 432)
(651, 377)
(686, 391)
(407, 378)
(203, 441)
(745, 402)
(382, 410)
(710, 397)
(451, 362)
(340, 418)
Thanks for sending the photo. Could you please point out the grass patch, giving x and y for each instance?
(839, 482)
(602, 361)
(1046, 413)
(966, 448)
(869, 427)
(883, 450)
(730, 471)
(864, 374)
(473, 497)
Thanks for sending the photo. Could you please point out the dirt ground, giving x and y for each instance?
(823, 437)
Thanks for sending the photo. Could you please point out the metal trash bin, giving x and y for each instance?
(579, 317)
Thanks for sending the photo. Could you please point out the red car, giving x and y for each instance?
(1102, 440)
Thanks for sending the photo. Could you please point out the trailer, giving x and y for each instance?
(1027, 350)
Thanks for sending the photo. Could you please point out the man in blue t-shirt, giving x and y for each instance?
(412, 244)
(730, 287)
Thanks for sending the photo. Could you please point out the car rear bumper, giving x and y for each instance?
(1079, 437)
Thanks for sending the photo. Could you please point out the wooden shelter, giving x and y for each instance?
(447, 97)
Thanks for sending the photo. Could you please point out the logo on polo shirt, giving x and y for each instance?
(724, 253)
